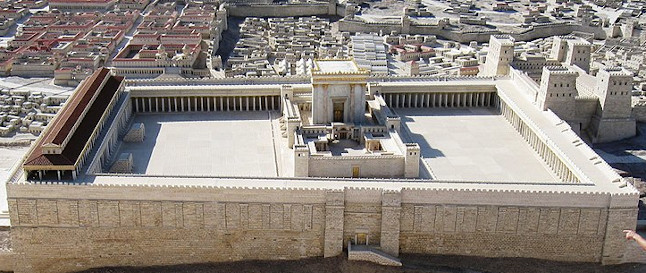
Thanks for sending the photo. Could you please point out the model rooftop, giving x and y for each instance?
(63, 143)
(334, 66)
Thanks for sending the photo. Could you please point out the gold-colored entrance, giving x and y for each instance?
(355, 172)
(361, 239)
(338, 112)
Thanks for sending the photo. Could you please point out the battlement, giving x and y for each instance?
(504, 39)
(412, 146)
(616, 71)
(560, 70)
(337, 67)
(574, 40)
(325, 184)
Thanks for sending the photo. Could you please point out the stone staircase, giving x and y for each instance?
(283, 127)
(371, 254)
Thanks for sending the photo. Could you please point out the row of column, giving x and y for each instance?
(113, 136)
(91, 141)
(49, 175)
(207, 104)
(546, 153)
(421, 100)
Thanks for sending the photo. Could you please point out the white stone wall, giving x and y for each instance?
(558, 93)
(84, 226)
(341, 166)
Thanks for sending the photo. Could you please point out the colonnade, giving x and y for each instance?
(205, 104)
(89, 145)
(50, 175)
(546, 153)
(440, 99)
(110, 143)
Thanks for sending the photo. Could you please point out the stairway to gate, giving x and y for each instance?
(371, 254)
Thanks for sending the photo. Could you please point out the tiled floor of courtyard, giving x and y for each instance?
(214, 144)
(473, 144)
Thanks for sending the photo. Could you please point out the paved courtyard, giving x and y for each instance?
(473, 144)
(214, 144)
(9, 157)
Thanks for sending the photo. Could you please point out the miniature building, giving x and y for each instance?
(136, 133)
(572, 51)
(500, 55)
(598, 108)
(63, 148)
(123, 164)
(359, 162)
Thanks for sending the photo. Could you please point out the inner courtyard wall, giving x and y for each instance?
(369, 166)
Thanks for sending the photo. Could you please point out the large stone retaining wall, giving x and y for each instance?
(59, 228)
(6, 260)
(59, 235)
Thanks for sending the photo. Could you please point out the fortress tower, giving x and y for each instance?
(614, 85)
(613, 120)
(500, 55)
(572, 50)
(558, 91)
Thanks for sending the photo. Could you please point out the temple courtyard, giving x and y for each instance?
(473, 144)
(205, 144)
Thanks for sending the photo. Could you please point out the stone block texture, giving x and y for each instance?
(64, 231)
(136, 133)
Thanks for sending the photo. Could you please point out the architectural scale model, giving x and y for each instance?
(172, 174)
(363, 132)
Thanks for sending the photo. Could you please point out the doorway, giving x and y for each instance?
(338, 112)
(355, 172)
(361, 239)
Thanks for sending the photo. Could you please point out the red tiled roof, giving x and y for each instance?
(70, 115)
(78, 102)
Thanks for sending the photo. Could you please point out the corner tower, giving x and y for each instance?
(614, 85)
(558, 91)
(500, 55)
(613, 120)
(572, 51)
